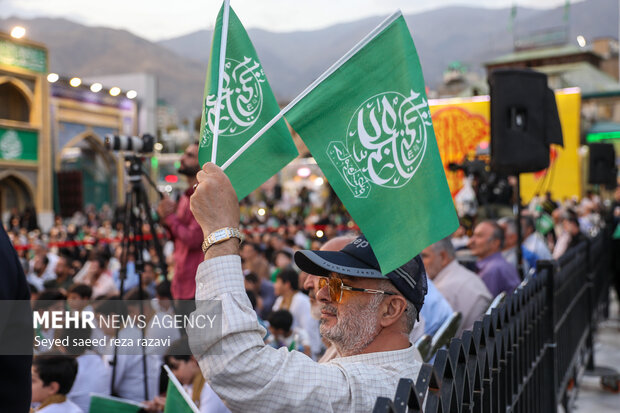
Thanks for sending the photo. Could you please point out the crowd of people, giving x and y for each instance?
(83, 260)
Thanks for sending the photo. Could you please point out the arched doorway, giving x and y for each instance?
(86, 174)
(16, 192)
(16, 99)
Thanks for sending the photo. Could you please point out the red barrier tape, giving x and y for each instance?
(64, 244)
(148, 237)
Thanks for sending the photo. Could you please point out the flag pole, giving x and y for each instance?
(179, 387)
(220, 78)
(314, 84)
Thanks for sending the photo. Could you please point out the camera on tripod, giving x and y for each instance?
(490, 187)
(475, 167)
(135, 144)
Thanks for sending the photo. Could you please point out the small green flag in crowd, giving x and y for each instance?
(177, 399)
(106, 404)
(544, 223)
(368, 126)
(247, 103)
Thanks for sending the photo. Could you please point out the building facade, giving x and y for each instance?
(86, 172)
(25, 144)
(52, 131)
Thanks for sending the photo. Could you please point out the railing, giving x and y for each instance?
(527, 354)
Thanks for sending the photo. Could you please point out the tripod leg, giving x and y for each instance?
(141, 208)
(127, 234)
(123, 272)
(156, 242)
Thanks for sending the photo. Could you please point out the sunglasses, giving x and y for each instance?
(336, 287)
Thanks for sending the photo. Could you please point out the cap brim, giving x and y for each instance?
(323, 263)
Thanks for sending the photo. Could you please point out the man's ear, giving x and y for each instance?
(393, 307)
(445, 258)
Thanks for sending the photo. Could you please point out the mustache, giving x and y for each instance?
(329, 309)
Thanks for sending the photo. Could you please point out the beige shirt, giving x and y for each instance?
(252, 377)
(465, 291)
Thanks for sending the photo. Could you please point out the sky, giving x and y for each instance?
(163, 19)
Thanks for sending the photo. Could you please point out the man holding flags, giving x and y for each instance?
(366, 315)
(367, 123)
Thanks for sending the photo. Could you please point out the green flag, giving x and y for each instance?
(368, 125)
(177, 399)
(247, 103)
(105, 404)
(544, 223)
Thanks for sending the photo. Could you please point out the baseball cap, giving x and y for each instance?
(357, 259)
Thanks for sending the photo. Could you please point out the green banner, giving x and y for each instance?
(247, 105)
(24, 56)
(107, 404)
(368, 126)
(18, 145)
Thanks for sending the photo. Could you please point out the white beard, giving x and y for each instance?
(355, 329)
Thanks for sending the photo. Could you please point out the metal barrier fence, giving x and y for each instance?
(527, 354)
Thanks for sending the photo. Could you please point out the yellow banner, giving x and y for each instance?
(462, 128)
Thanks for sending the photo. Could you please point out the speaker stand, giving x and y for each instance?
(519, 229)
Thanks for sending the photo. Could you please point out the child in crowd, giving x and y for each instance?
(162, 303)
(52, 378)
(78, 297)
(47, 301)
(185, 368)
(282, 335)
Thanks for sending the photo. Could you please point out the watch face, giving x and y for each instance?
(219, 235)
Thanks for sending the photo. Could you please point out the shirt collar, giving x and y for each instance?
(493, 257)
(378, 357)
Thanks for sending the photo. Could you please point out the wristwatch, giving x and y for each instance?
(221, 235)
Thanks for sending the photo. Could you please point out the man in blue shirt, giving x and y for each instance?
(486, 244)
(435, 310)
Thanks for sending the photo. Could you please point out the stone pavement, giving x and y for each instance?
(591, 397)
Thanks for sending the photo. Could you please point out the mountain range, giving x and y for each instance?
(293, 60)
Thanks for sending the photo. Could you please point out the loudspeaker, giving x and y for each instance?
(524, 121)
(602, 167)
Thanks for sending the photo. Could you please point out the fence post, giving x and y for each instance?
(550, 379)
(592, 268)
